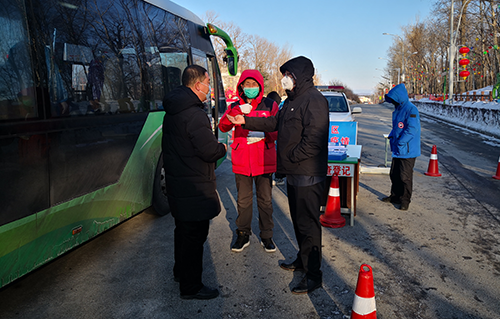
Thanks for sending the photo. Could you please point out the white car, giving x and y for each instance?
(340, 110)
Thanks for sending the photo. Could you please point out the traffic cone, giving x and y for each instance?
(497, 175)
(364, 298)
(332, 217)
(433, 169)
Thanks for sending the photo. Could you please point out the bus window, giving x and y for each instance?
(113, 66)
(173, 64)
(17, 89)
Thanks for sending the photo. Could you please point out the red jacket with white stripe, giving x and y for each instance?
(256, 158)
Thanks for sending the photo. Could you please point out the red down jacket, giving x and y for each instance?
(255, 158)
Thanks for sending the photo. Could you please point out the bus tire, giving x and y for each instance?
(160, 200)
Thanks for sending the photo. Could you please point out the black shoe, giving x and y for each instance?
(306, 286)
(404, 206)
(204, 293)
(268, 245)
(242, 241)
(390, 199)
(294, 266)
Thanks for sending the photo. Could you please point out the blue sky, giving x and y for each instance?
(343, 38)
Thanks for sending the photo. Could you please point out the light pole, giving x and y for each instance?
(453, 41)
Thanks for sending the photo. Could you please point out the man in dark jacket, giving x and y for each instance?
(405, 145)
(302, 126)
(190, 151)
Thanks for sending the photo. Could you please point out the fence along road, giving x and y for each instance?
(440, 259)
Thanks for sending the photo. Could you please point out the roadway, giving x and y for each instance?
(440, 259)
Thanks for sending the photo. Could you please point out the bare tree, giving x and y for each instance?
(254, 52)
(348, 92)
(239, 38)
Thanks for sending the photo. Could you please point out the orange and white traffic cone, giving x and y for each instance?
(332, 217)
(433, 169)
(497, 175)
(364, 298)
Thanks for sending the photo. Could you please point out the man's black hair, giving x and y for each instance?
(192, 74)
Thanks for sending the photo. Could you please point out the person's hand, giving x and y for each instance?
(238, 119)
(225, 146)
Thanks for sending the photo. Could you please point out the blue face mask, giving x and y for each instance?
(251, 93)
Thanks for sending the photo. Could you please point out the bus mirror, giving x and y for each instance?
(231, 53)
(231, 61)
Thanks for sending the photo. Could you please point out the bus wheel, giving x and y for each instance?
(160, 200)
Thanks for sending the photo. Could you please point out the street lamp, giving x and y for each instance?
(453, 41)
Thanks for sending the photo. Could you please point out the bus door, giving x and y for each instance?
(215, 105)
(216, 102)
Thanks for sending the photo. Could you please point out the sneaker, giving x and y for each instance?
(280, 181)
(242, 241)
(404, 206)
(268, 245)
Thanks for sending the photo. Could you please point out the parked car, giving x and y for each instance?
(340, 110)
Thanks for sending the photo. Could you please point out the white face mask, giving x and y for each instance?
(287, 83)
(207, 95)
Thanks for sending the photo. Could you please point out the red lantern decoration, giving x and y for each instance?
(464, 50)
(464, 74)
(463, 62)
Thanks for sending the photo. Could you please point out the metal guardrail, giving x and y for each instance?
(457, 97)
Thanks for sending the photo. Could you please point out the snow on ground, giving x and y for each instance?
(479, 116)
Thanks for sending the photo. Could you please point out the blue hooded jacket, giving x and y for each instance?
(405, 134)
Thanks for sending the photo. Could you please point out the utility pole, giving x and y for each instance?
(452, 56)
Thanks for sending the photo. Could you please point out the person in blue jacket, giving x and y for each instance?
(405, 145)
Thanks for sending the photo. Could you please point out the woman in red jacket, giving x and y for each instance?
(253, 155)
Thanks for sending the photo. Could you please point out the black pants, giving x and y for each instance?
(263, 190)
(304, 204)
(189, 238)
(402, 179)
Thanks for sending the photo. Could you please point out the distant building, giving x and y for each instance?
(365, 99)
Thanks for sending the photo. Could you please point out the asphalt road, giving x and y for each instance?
(440, 259)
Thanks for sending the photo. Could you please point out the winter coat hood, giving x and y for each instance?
(181, 99)
(397, 95)
(302, 70)
(254, 74)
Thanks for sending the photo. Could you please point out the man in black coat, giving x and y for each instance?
(302, 124)
(190, 151)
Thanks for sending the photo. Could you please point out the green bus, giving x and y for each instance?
(81, 90)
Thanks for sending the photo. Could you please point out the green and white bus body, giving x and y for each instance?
(81, 90)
